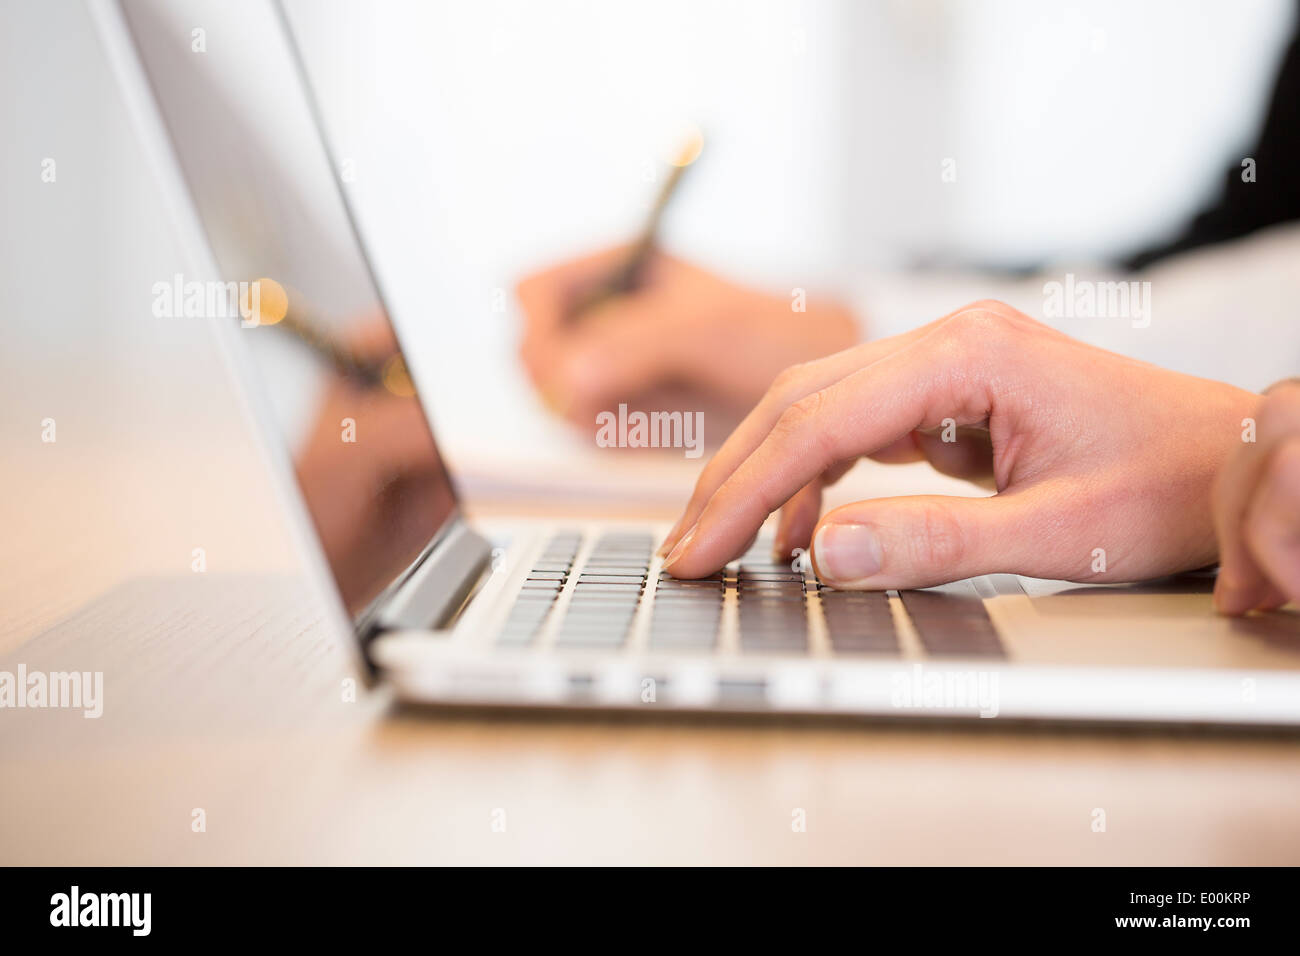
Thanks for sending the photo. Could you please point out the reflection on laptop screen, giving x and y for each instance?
(230, 92)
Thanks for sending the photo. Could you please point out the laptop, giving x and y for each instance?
(531, 613)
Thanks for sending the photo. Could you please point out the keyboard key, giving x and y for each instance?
(537, 594)
(859, 622)
(773, 575)
(593, 639)
(590, 588)
(687, 613)
(951, 623)
(773, 613)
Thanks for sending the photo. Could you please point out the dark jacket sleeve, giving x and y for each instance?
(1274, 197)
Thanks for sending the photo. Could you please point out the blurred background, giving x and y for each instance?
(487, 140)
(492, 139)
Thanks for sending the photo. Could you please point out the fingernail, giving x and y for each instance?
(670, 537)
(846, 553)
(681, 547)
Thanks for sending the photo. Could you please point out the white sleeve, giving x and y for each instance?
(1229, 312)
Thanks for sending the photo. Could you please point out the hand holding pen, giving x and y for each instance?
(632, 323)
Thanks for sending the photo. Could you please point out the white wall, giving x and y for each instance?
(491, 137)
(152, 457)
(496, 136)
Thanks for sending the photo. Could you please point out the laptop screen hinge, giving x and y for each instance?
(435, 592)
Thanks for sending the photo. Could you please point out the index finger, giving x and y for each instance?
(913, 387)
(796, 383)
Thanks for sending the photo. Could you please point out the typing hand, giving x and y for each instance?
(1257, 509)
(681, 328)
(1103, 465)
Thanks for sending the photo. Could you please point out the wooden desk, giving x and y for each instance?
(237, 710)
(385, 788)
(218, 698)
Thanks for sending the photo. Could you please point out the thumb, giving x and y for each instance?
(924, 540)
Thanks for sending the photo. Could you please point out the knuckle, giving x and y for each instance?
(808, 407)
(786, 386)
(802, 414)
(991, 305)
(979, 322)
(989, 321)
(800, 425)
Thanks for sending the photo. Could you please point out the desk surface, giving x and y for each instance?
(399, 789)
(219, 699)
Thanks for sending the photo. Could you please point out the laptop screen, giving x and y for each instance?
(295, 277)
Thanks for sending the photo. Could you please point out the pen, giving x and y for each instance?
(346, 362)
(626, 275)
(299, 320)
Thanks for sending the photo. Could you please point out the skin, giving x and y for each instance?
(1085, 449)
(685, 336)
(1257, 510)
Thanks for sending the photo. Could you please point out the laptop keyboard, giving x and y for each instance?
(859, 622)
(537, 594)
(608, 592)
(687, 615)
(948, 624)
(774, 606)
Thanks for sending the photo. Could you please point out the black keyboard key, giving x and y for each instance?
(859, 622)
(952, 622)
(773, 612)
